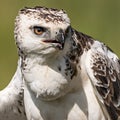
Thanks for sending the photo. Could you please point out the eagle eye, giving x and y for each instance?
(38, 30)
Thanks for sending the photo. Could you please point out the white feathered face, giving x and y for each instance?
(41, 30)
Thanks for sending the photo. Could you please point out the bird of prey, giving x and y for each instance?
(62, 74)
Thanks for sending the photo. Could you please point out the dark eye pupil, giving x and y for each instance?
(39, 29)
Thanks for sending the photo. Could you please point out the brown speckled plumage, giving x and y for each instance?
(62, 74)
(47, 14)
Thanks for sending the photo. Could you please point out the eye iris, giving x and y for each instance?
(38, 30)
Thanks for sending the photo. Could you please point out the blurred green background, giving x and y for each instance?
(98, 18)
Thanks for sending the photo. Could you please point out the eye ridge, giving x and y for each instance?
(38, 30)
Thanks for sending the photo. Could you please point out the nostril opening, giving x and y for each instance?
(56, 33)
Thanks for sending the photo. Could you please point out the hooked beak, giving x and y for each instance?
(59, 39)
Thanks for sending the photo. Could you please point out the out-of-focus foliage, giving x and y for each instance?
(98, 18)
